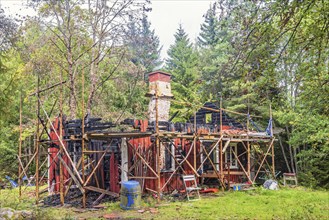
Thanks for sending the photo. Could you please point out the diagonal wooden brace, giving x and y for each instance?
(211, 150)
(261, 164)
(213, 165)
(76, 181)
(143, 160)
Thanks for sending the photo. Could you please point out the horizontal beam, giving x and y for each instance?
(103, 191)
(213, 175)
(106, 136)
(142, 177)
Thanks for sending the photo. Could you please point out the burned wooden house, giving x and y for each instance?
(156, 152)
(93, 155)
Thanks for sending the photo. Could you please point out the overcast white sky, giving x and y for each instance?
(165, 17)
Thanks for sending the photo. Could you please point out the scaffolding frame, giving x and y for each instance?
(219, 140)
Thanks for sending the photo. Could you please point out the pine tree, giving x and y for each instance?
(144, 44)
(209, 34)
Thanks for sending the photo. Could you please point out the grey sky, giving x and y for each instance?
(165, 17)
(167, 14)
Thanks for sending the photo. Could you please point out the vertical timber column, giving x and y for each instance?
(248, 158)
(37, 145)
(157, 141)
(194, 142)
(221, 143)
(273, 156)
(20, 148)
(273, 162)
(124, 160)
(83, 140)
(61, 171)
(248, 148)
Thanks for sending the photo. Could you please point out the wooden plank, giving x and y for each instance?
(142, 177)
(102, 136)
(143, 160)
(213, 175)
(103, 191)
(100, 197)
(76, 181)
(225, 146)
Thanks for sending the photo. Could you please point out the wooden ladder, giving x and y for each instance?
(191, 187)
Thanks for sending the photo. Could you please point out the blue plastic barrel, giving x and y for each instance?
(237, 188)
(130, 195)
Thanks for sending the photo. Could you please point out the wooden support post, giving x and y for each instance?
(124, 160)
(248, 158)
(61, 146)
(37, 145)
(158, 148)
(20, 148)
(221, 143)
(194, 142)
(273, 155)
(273, 162)
(248, 144)
(84, 199)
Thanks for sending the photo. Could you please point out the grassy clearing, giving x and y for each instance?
(298, 203)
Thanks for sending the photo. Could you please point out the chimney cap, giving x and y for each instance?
(158, 71)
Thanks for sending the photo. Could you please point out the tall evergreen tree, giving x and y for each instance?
(182, 63)
(144, 44)
(209, 29)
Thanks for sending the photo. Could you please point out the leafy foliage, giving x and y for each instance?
(143, 44)
(276, 52)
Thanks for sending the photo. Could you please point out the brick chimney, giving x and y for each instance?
(159, 81)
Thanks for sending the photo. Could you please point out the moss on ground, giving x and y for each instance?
(297, 203)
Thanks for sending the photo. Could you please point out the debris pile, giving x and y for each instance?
(74, 198)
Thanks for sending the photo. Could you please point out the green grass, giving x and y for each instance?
(298, 203)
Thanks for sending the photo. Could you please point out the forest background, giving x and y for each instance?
(251, 54)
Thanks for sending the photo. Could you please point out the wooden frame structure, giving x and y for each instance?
(148, 159)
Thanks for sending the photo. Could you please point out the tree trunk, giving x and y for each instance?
(72, 101)
(290, 152)
(295, 158)
(284, 154)
(93, 81)
(72, 98)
